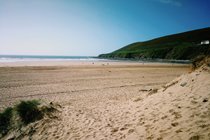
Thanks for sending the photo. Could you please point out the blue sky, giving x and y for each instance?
(92, 27)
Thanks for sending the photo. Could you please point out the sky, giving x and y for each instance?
(92, 27)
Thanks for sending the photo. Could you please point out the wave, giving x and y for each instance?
(20, 58)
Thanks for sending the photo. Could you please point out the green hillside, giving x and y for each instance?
(182, 46)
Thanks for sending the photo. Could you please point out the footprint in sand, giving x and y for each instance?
(175, 124)
(130, 131)
(114, 130)
(164, 117)
(123, 128)
(194, 138)
(179, 131)
(176, 115)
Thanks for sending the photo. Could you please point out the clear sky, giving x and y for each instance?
(92, 27)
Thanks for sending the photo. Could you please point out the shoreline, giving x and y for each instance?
(87, 63)
(149, 60)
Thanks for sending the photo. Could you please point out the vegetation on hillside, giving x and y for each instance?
(182, 46)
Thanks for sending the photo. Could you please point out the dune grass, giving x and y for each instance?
(5, 120)
(22, 114)
(29, 111)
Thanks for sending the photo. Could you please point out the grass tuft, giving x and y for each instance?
(29, 111)
(26, 112)
(5, 120)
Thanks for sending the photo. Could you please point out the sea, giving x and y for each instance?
(20, 58)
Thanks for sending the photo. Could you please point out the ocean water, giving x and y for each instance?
(22, 58)
(19, 58)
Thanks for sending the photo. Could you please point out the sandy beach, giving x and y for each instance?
(111, 100)
(104, 70)
(67, 82)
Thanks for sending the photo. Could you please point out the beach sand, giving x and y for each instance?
(69, 82)
(111, 100)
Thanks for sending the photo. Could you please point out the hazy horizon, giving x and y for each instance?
(91, 27)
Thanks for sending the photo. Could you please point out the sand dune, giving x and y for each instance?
(126, 103)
